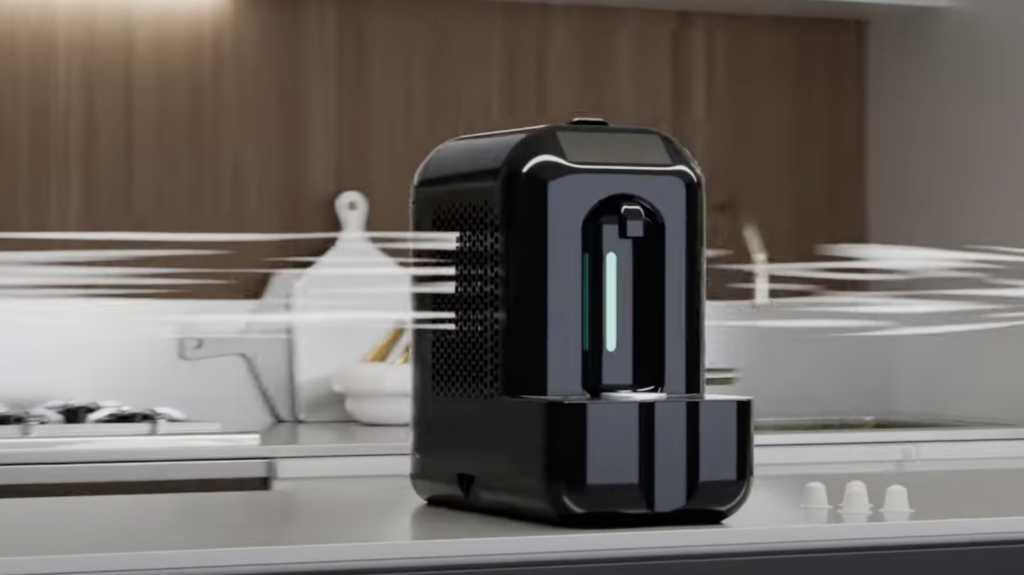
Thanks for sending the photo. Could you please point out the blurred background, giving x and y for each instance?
(250, 116)
(815, 122)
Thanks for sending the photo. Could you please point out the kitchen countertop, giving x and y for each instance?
(312, 442)
(336, 439)
(357, 523)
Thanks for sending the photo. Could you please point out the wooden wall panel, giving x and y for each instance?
(250, 115)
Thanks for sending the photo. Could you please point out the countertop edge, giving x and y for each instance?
(511, 550)
(318, 440)
(193, 453)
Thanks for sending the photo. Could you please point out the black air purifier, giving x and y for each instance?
(568, 386)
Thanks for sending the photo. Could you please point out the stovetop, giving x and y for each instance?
(77, 418)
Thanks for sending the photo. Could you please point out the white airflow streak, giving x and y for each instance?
(320, 316)
(82, 256)
(73, 293)
(347, 260)
(893, 265)
(97, 271)
(283, 335)
(928, 310)
(779, 286)
(886, 252)
(799, 323)
(99, 281)
(184, 237)
(992, 303)
(907, 307)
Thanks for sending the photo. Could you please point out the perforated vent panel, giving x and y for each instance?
(466, 361)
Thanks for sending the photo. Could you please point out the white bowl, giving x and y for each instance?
(376, 393)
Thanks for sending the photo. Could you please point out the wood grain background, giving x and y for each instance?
(251, 115)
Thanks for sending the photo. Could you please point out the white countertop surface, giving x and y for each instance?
(359, 522)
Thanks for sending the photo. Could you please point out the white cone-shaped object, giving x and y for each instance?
(897, 500)
(815, 496)
(855, 499)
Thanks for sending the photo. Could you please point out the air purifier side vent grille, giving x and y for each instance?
(466, 361)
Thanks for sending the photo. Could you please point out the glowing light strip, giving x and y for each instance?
(611, 296)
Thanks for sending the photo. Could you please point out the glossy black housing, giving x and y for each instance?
(502, 420)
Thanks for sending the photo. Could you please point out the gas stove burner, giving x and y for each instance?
(86, 412)
(9, 417)
(77, 411)
(122, 414)
(38, 415)
(42, 415)
(170, 414)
